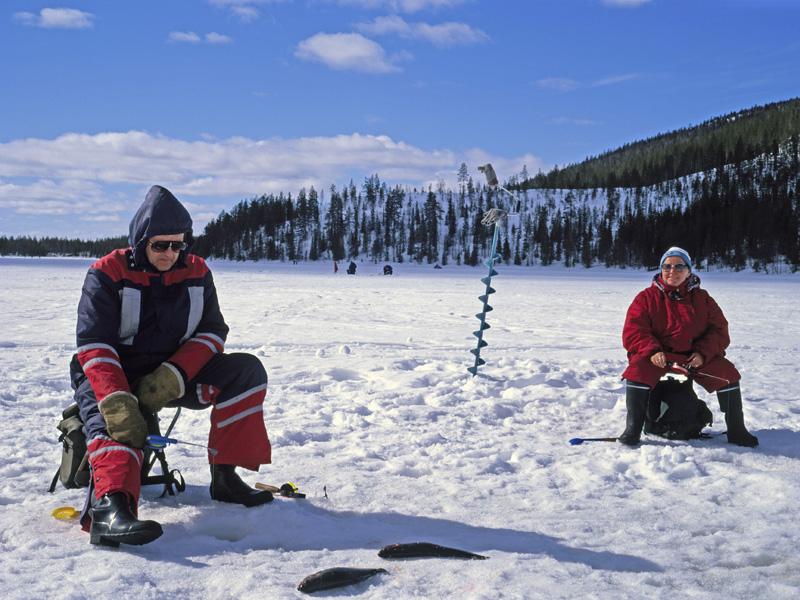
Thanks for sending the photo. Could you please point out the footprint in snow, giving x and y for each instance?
(343, 375)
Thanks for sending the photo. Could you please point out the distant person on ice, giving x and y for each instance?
(150, 334)
(674, 321)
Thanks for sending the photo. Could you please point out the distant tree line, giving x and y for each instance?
(726, 140)
(47, 246)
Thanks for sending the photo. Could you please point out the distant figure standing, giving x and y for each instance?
(676, 323)
(335, 267)
(351, 268)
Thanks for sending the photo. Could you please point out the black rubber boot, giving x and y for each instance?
(730, 402)
(636, 396)
(113, 523)
(227, 486)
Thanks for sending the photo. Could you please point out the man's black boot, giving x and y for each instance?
(636, 396)
(227, 486)
(730, 402)
(113, 523)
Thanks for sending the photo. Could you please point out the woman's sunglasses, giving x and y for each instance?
(162, 246)
(678, 268)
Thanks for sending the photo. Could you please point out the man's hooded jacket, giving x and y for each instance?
(132, 317)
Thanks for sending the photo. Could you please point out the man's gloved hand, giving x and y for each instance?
(155, 390)
(124, 420)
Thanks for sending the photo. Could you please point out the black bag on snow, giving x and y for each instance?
(74, 469)
(675, 412)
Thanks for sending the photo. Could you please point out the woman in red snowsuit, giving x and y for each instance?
(675, 323)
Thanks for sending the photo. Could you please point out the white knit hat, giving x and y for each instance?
(680, 252)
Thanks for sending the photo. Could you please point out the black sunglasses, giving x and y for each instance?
(678, 268)
(162, 246)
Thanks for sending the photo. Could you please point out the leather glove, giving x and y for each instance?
(155, 390)
(124, 421)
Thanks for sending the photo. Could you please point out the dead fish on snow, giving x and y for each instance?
(336, 577)
(426, 550)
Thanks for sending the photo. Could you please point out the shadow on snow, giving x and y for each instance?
(297, 526)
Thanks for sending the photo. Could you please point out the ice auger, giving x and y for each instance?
(494, 217)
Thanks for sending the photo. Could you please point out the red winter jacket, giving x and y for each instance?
(664, 319)
(131, 317)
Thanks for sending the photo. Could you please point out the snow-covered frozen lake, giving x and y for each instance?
(369, 397)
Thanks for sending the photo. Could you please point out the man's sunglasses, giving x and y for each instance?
(162, 246)
(678, 268)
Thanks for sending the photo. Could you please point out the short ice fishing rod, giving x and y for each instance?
(692, 372)
(577, 441)
(159, 442)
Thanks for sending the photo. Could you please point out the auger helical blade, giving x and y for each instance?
(494, 256)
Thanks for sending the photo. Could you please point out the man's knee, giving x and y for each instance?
(253, 366)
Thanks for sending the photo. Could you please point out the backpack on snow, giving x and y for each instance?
(74, 469)
(675, 412)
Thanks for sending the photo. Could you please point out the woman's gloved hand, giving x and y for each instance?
(155, 390)
(124, 420)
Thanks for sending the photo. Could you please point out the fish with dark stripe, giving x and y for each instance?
(425, 550)
(336, 577)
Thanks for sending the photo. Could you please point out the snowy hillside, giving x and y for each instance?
(736, 215)
(369, 398)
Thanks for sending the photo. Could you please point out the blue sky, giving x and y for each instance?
(221, 100)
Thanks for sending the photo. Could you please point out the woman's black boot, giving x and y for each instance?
(636, 396)
(113, 523)
(227, 486)
(730, 402)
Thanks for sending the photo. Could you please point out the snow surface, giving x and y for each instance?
(369, 397)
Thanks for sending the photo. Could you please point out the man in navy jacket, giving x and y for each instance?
(150, 334)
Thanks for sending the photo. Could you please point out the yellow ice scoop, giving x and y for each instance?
(65, 513)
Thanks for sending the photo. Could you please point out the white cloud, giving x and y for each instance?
(346, 51)
(572, 121)
(615, 80)
(57, 18)
(386, 25)
(47, 196)
(562, 84)
(184, 36)
(559, 84)
(191, 37)
(245, 10)
(625, 3)
(443, 34)
(217, 38)
(406, 6)
(78, 173)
